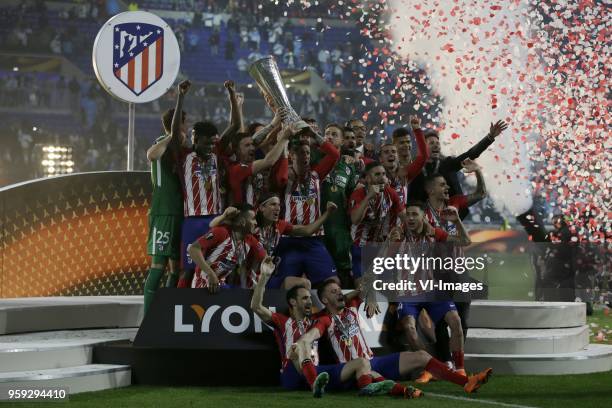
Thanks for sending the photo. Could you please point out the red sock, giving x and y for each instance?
(364, 380)
(378, 379)
(397, 390)
(458, 359)
(440, 370)
(183, 283)
(310, 372)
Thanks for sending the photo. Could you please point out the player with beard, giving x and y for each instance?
(360, 134)
(202, 178)
(372, 208)
(337, 188)
(300, 367)
(245, 176)
(448, 166)
(227, 248)
(301, 201)
(166, 210)
(270, 228)
(202, 191)
(416, 232)
(343, 331)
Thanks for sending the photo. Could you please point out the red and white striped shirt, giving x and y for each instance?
(302, 201)
(433, 216)
(435, 219)
(287, 331)
(201, 180)
(401, 188)
(223, 254)
(345, 333)
(382, 212)
(244, 185)
(416, 246)
(303, 197)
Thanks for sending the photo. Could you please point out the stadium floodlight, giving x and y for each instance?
(57, 160)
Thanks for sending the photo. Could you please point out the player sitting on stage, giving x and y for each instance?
(303, 373)
(270, 229)
(225, 248)
(348, 342)
(416, 231)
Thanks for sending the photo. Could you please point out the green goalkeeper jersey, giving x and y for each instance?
(167, 198)
(337, 188)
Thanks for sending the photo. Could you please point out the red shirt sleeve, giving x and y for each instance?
(238, 173)
(356, 198)
(222, 155)
(397, 206)
(215, 236)
(366, 160)
(327, 163)
(458, 201)
(278, 320)
(355, 302)
(284, 227)
(414, 168)
(440, 235)
(322, 323)
(256, 250)
(280, 172)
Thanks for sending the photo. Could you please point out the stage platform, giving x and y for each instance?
(85, 343)
(23, 315)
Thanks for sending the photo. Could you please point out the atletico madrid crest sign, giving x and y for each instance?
(138, 55)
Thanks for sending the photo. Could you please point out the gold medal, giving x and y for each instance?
(311, 201)
(208, 184)
(348, 341)
(334, 188)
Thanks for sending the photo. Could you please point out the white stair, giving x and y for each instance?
(45, 350)
(526, 315)
(527, 341)
(592, 359)
(91, 377)
(62, 313)
(61, 359)
(533, 338)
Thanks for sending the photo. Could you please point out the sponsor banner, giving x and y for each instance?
(196, 319)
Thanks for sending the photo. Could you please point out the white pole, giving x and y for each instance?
(130, 146)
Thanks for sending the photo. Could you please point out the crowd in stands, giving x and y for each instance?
(82, 108)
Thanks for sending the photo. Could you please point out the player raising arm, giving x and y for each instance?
(300, 367)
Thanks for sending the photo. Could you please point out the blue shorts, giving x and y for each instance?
(193, 228)
(436, 310)
(292, 380)
(302, 256)
(356, 261)
(387, 366)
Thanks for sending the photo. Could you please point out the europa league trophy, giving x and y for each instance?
(266, 74)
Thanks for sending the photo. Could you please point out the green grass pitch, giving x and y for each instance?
(584, 391)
